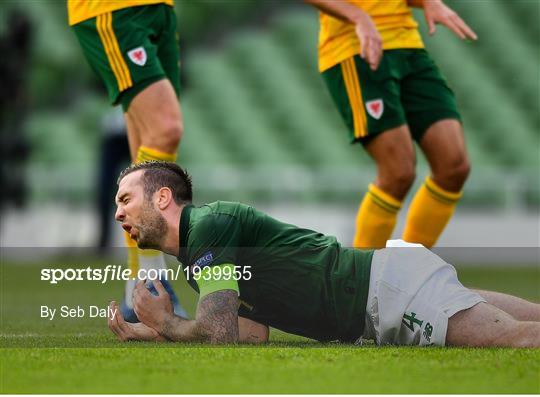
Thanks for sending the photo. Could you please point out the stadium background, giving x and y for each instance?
(259, 128)
(259, 124)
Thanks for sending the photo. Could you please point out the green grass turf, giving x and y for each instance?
(81, 356)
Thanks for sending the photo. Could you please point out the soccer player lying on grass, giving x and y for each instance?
(253, 272)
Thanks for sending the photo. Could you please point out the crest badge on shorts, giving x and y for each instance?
(138, 56)
(375, 108)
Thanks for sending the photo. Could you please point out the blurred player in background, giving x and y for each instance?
(132, 46)
(389, 92)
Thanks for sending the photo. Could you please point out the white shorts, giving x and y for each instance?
(412, 294)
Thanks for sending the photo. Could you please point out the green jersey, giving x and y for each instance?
(293, 279)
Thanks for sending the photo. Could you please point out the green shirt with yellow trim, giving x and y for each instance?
(293, 279)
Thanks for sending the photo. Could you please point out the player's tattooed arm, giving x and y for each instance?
(216, 321)
(217, 316)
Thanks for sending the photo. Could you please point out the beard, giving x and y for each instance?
(152, 229)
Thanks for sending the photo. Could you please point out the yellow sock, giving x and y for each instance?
(430, 211)
(376, 218)
(146, 258)
(147, 154)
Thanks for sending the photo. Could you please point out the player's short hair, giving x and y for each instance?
(158, 174)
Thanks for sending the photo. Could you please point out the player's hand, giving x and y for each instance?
(436, 12)
(130, 331)
(152, 310)
(370, 40)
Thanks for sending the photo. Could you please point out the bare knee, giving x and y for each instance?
(156, 116)
(452, 175)
(165, 136)
(398, 181)
(171, 134)
(445, 148)
(393, 152)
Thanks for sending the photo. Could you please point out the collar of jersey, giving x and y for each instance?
(183, 230)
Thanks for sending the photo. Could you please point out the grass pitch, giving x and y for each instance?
(81, 356)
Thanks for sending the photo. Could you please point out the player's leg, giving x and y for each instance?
(137, 258)
(415, 298)
(101, 48)
(444, 147)
(435, 123)
(435, 201)
(119, 47)
(412, 294)
(518, 308)
(147, 144)
(154, 113)
(152, 106)
(485, 325)
(393, 153)
(134, 139)
(152, 109)
(369, 103)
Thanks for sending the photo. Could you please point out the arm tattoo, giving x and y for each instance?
(216, 321)
(217, 316)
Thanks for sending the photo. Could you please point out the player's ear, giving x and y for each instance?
(164, 197)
